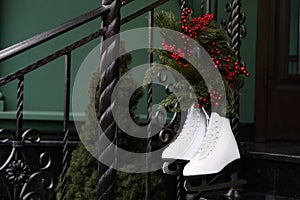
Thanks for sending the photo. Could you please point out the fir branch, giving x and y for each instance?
(166, 20)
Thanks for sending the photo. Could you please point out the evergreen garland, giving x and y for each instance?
(215, 41)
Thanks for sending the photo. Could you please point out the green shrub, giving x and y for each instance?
(82, 172)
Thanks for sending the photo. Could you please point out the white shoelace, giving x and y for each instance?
(209, 141)
(191, 124)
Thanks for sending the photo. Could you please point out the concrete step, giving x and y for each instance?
(274, 169)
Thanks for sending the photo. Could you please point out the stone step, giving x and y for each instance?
(273, 169)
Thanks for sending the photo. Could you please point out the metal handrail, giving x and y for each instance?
(67, 26)
(125, 2)
(20, 72)
(52, 33)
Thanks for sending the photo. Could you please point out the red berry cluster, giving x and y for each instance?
(226, 64)
(190, 26)
(213, 98)
(228, 67)
(177, 54)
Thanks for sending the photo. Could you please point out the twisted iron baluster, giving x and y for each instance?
(18, 138)
(179, 178)
(149, 140)
(202, 6)
(66, 156)
(149, 110)
(234, 31)
(108, 79)
(235, 122)
(182, 5)
(20, 99)
(235, 28)
(179, 185)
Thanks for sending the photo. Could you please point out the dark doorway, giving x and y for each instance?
(277, 110)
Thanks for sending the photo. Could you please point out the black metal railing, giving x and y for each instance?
(17, 168)
(52, 33)
(18, 172)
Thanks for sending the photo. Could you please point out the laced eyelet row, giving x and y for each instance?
(209, 141)
(190, 127)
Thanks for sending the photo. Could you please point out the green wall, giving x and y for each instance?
(23, 19)
(248, 54)
(44, 87)
(140, 57)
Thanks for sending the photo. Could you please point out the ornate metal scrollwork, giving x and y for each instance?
(6, 132)
(165, 134)
(4, 141)
(16, 169)
(33, 132)
(169, 130)
(17, 173)
(45, 180)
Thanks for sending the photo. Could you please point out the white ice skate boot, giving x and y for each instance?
(185, 146)
(217, 150)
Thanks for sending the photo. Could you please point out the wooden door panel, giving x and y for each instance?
(284, 118)
(277, 92)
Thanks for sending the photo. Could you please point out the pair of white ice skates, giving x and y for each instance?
(207, 143)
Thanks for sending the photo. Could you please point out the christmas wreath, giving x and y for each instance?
(214, 40)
